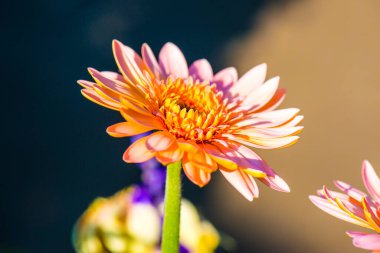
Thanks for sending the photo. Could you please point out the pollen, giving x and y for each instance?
(191, 110)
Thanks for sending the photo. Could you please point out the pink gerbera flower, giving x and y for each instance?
(356, 207)
(209, 121)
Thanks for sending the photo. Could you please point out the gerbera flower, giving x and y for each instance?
(209, 121)
(356, 207)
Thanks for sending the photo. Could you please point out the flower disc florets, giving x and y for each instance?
(191, 110)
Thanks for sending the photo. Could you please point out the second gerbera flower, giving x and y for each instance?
(209, 121)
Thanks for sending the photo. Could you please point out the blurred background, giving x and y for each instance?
(57, 157)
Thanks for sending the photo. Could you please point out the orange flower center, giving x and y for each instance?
(192, 110)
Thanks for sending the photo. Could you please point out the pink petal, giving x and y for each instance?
(246, 158)
(249, 81)
(114, 85)
(172, 61)
(219, 156)
(244, 183)
(276, 183)
(294, 122)
(125, 129)
(349, 190)
(270, 132)
(128, 61)
(138, 152)
(150, 60)
(276, 100)
(201, 70)
(371, 181)
(264, 143)
(364, 240)
(113, 75)
(225, 78)
(335, 211)
(270, 118)
(263, 94)
(160, 141)
(96, 98)
(86, 84)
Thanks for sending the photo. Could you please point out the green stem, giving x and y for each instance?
(172, 208)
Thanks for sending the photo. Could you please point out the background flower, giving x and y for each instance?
(356, 207)
(128, 223)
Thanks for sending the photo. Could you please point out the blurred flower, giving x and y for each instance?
(356, 207)
(209, 121)
(124, 223)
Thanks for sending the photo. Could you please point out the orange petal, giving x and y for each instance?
(195, 173)
(125, 129)
(170, 156)
(137, 152)
(203, 161)
(188, 146)
(160, 141)
(243, 182)
(149, 121)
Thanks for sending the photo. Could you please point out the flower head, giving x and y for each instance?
(210, 121)
(127, 223)
(356, 207)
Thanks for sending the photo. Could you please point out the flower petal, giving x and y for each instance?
(137, 152)
(160, 141)
(151, 61)
(276, 100)
(149, 121)
(188, 146)
(349, 190)
(244, 157)
(249, 81)
(116, 86)
(202, 160)
(225, 78)
(263, 94)
(201, 70)
(364, 240)
(125, 129)
(96, 98)
(335, 211)
(270, 132)
(243, 182)
(172, 61)
(276, 183)
(195, 172)
(218, 156)
(371, 180)
(113, 75)
(171, 155)
(270, 118)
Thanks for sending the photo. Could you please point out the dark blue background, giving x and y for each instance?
(56, 156)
